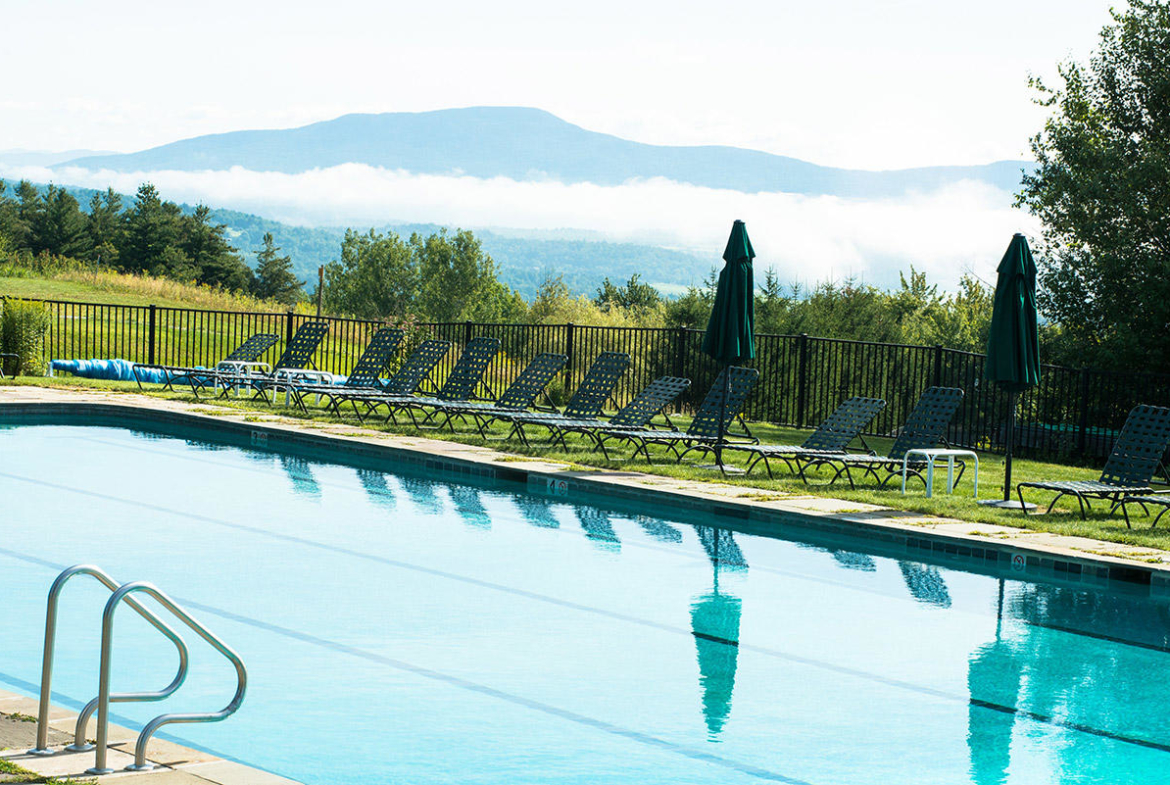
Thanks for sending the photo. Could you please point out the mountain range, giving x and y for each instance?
(528, 144)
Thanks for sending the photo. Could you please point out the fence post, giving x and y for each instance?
(1083, 424)
(801, 379)
(150, 333)
(569, 354)
(680, 351)
(288, 326)
(467, 332)
(938, 355)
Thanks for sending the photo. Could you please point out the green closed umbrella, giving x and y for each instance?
(730, 336)
(1013, 344)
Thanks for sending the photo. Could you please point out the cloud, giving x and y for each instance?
(945, 232)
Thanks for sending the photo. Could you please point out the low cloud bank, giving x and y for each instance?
(960, 228)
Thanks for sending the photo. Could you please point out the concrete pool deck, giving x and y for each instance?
(176, 765)
(979, 546)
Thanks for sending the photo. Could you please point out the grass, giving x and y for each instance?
(110, 287)
(961, 506)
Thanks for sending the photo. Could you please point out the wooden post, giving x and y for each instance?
(320, 287)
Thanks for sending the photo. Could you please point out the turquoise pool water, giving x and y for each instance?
(409, 629)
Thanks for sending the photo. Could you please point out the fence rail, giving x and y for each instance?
(1072, 414)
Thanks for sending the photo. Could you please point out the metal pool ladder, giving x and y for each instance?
(121, 593)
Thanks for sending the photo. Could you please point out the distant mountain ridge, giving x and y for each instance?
(529, 144)
(21, 157)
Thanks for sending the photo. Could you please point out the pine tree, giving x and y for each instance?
(57, 225)
(105, 226)
(214, 259)
(274, 276)
(151, 229)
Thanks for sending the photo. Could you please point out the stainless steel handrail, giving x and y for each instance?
(104, 697)
(104, 578)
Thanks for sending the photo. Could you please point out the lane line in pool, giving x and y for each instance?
(794, 658)
(519, 700)
(451, 680)
(357, 489)
(1164, 648)
(517, 592)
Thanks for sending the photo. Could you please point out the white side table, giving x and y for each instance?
(931, 456)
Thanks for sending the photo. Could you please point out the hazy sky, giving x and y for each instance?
(848, 83)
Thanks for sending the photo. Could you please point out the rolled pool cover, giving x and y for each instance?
(123, 371)
(117, 370)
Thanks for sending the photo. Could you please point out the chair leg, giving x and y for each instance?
(1020, 493)
(1163, 512)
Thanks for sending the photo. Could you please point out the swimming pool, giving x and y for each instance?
(402, 628)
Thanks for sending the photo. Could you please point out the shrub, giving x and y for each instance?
(23, 326)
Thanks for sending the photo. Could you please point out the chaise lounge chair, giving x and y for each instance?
(703, 433)
(832, 436)
(460, 384)
(365, 375)
(295, 365)
(415, 369)
(924, 429)
(635, 415)
(519, 396)
(588, 400)
(245, 358)
(1135, 458)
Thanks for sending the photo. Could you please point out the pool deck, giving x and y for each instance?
(176, 765)
(1031, 554)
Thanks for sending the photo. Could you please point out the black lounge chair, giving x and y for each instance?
(460, 385)
(703, 433)
(924, 429)
(245, 358)
(1136, 455)
(415, 370)
(365, 375)
(588, 400)
(295, 365)
(635, 415)
(832, 436)
(519, 396)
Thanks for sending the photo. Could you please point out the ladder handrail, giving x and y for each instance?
(42, 747)
(104, 697)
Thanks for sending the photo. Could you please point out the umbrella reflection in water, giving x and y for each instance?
(715, 625)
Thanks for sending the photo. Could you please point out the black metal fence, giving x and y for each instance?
(1073, 414)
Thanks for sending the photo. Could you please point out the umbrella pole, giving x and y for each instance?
(1011, 438)
(1007, 502)
(721, 431)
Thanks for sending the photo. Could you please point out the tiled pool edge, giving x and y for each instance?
(1029, 555)
(175, 764)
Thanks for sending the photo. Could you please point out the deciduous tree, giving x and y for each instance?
(1102, 190)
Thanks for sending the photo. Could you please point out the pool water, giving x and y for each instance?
(400, 628)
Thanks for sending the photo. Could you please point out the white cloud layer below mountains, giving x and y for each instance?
(946, 232)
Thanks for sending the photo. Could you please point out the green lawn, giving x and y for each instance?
(1063, 520)
(78, 292)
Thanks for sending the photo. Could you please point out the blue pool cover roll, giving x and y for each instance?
(117, 370)
(122, 371)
